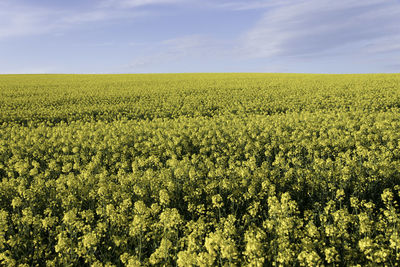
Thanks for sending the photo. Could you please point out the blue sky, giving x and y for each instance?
(153, 36)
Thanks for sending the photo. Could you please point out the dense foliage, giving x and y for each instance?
(200, 170)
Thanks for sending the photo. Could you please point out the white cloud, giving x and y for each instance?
(17, 19)
(21, 19)
(88, 16)
(98, 15)
(136, 3)
(312, 27)
(197, 48)
(384, 45)
(240, 5)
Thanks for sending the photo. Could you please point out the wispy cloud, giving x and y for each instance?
(314, 27)
(383, 45)
(98, 15)
(136, 3)
(240, 5)
(197, 47)
(257, 35)
(21, 19)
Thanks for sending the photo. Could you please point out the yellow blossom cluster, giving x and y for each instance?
(200, 170)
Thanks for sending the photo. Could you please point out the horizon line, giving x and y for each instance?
(176, 73)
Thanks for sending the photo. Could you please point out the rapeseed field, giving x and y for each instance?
(240, 169)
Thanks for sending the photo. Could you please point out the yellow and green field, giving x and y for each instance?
(200, 170)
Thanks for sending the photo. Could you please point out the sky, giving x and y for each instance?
(175, 36)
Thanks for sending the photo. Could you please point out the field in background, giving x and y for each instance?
(200, 169)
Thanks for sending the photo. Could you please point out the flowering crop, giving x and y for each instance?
(200, 170)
